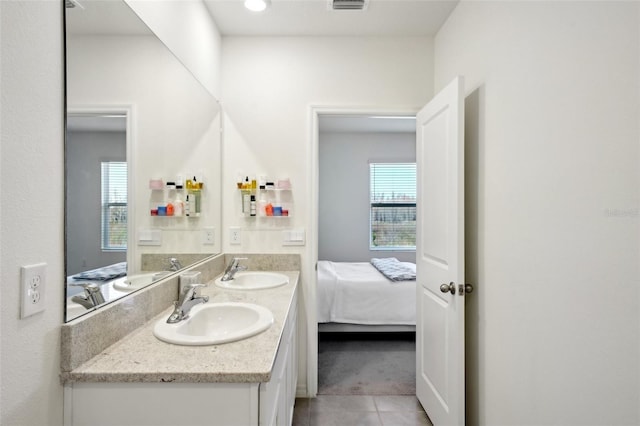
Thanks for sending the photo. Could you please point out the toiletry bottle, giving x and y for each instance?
(170, 209)
(246, 203)
(262, 204)
(178, 205)
(187, 206)
(192, 205)
(195, 192)
(252, 208)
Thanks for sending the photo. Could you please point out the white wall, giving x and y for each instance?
(552, 144)
(343, 207)
(269, 85)
(187, 29)
(31, 208)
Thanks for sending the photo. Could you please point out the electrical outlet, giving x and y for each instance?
(235, 236)
(33, 283)
(208, 236)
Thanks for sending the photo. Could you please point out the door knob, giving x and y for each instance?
(451, 288)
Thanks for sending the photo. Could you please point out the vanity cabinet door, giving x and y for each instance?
(161, 404)
(277, 397)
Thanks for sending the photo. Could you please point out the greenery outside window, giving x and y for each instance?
(114, 206)
(393, 206)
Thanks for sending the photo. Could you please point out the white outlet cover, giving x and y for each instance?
(33, 280)
(235, 235)
(208, 236)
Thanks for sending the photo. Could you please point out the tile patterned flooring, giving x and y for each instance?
(359, 410)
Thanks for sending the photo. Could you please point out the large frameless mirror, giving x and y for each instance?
(142, 158)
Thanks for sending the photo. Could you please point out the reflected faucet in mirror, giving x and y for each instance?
(91, 297)
(174, 264)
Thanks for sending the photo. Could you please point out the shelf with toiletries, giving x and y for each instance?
(268, 203)
(264, 198)
(174, 199)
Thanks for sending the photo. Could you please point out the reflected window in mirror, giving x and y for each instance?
(114, 205)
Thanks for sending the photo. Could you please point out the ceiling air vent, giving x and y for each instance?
(348, 4)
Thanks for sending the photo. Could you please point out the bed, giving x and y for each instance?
(99, 276)
(356, 296)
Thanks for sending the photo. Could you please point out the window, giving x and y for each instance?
(393, 206)
(114, 205)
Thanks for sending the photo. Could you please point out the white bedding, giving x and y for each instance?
(357, 293)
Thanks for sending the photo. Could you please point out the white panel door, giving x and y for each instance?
(440, 256)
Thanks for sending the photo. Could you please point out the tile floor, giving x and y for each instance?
(359, 410)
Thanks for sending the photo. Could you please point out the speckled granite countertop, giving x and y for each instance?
(141, 357)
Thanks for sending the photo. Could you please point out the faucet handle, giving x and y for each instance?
(90, 287)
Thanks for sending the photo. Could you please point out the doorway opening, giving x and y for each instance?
(361, 359)
(366, 210)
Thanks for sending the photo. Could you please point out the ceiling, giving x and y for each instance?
(290, 18)
(316, 18)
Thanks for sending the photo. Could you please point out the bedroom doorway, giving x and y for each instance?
(346, 143)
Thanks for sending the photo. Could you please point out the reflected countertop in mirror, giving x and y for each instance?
(134, 114)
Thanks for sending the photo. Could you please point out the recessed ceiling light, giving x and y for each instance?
(256, 5)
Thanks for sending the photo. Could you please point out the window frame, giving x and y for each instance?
(372, 205)
(105, 206)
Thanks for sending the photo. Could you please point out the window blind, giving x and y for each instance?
(393, 206)
(114, 205)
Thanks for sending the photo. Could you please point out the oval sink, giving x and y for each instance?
(253, 280)
(136, 282)
(215, 323)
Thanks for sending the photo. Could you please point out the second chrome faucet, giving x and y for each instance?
(233, 267)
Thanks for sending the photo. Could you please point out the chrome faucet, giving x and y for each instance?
(91, 297)
(233, 267)
(188, 299)
(174, 264)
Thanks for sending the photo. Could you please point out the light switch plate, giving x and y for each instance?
(33, 279)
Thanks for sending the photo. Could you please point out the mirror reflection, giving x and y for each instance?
(142, 146)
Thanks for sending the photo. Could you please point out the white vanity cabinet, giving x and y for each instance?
(216, 404)
(277, 397)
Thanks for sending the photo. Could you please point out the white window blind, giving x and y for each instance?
(393, 206)
(114, 205)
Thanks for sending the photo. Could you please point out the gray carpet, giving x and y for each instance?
(366, 364)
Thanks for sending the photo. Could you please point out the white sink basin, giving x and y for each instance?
(215, 323)
(136, 282)
(253, 280)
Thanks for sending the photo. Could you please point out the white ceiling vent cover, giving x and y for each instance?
(348, 4)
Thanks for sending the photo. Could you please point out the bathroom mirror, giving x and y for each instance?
(135, 117)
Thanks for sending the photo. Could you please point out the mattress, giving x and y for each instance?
(357, 293)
